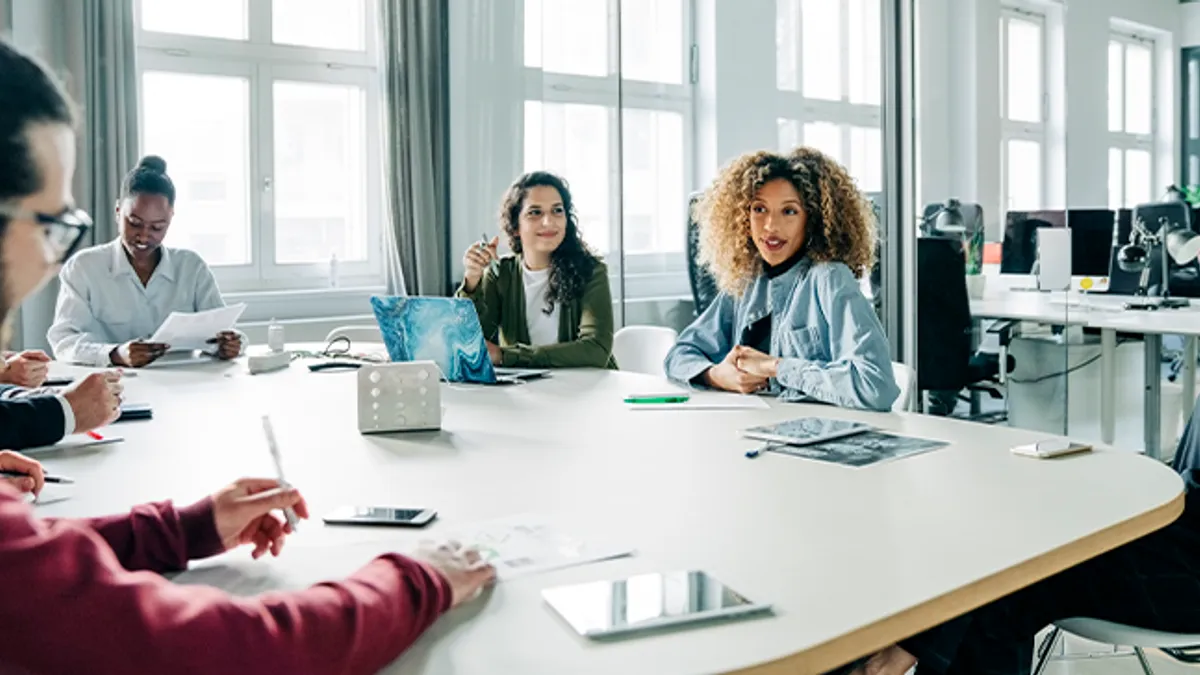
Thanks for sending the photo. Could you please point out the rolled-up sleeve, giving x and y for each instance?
(76, 335)
(704, 343)
(859, 371)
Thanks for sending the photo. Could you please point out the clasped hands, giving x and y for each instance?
(744, 370)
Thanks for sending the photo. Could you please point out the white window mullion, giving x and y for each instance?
(262, 163)
(1027, 135)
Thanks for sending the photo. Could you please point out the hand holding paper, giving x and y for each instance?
(188, 332)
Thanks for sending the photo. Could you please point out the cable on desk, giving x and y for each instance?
(1068, 371)
(338, 348)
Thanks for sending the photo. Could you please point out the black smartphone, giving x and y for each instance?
(58, 381)
(380, 515)
(135, 411)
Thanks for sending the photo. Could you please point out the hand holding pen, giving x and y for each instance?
(242, 514)
(273, 447)
(21, 472)
(476, 260)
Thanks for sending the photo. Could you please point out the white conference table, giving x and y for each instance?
(1105, 313)
(851, 559)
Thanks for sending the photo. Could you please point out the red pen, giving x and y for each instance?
(95, 436)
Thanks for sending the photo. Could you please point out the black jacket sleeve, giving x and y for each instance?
(30, 422)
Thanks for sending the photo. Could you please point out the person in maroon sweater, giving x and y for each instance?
(83, 596)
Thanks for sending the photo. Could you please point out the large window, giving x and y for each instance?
(1131, 78)
(1023, 96)
(267, 112)
(828, 75)
(571, 123)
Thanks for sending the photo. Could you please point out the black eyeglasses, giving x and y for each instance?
(65, 231)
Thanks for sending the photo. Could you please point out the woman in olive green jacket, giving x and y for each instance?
(549, 305)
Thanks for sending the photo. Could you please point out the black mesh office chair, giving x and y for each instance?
(946, 362)
(704, 286)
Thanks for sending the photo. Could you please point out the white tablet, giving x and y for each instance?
(806, 431)
(647, 602)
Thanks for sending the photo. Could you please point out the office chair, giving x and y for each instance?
(1180, 647)
(704, 286)
(946, 362)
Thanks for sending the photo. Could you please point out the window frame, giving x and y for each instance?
(1022, 130)
(1125, 141)
(262, 64)
(843, 113)
(647, 274)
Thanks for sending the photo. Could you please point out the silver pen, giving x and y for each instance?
(269, 431)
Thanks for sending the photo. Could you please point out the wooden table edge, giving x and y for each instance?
(873, 637)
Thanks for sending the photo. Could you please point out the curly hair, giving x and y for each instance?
(840, 224)
(572, 263)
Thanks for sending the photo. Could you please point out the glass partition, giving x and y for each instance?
(992, 306)
(641, 110)
(1133, 261)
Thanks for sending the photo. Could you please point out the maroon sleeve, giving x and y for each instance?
(70, 607)
(159, 537)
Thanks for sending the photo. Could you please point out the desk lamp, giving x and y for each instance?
(963, 222)
(1171, 239)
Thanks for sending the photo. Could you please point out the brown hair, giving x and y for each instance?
(572, 263)
(841, 227)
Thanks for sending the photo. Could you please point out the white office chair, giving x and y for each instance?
(908, 387)
(1117, 634)
(642, 349)
(361, 333)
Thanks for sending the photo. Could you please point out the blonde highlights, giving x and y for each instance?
(840, 223)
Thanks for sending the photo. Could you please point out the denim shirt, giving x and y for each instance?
(831, 345)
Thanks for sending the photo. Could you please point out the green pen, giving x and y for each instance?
(657, 398)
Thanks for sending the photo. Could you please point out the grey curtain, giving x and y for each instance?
(416, 123)
(101, 55)
(90, 43)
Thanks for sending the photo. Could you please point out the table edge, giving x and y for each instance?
(875, 636)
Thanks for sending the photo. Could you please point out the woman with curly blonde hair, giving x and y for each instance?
(786, 238)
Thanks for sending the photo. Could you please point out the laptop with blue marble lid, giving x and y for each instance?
(445, 331)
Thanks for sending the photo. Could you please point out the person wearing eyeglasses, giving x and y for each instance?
(36, 418)
(112, 297)
(87, 595)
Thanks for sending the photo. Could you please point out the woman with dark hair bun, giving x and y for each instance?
(114, 295)
(87, 595)
(549, 304)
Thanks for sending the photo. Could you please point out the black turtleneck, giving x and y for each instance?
(784, 267)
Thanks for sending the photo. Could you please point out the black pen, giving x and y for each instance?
(48, 478)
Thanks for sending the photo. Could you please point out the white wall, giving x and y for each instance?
(1189, 25)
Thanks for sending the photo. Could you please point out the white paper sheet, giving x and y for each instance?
(707, 400)
(188, 332)
(517, 546)
(528, 544)
(74, 442)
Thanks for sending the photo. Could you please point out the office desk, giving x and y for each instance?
(851, 559)
(1106, 314)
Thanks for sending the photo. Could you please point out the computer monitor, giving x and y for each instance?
(1092, 233)
(1019, 250)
